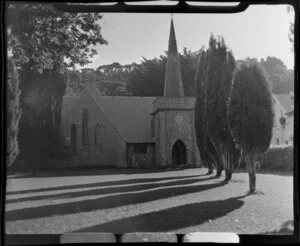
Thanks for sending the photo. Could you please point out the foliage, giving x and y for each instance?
(105, 82)
(219, 78)
(148, 77)
(188, 64)
(206, 149)
(41, 36)
(281, 79)
(250, 113)
(44, 43)
(13, 112)
(277, 158)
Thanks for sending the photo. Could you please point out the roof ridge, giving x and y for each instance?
(105, 113)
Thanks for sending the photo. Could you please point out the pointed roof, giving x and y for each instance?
(173, 79)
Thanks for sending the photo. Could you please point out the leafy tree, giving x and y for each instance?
(44, 43)
(250, 115)
(13, 112)
(282, 79)
(188, 64)
(219, 80)
(148, 78)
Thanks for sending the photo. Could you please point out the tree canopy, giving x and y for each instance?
(43, 38)
(250, 113)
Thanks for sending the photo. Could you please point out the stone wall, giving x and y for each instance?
(141, 161)
(110, 148)
(174, 120)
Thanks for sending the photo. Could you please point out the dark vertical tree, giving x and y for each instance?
(13, 112)
(208, 153)
(219, 81)
(200, 110)
(250, 115)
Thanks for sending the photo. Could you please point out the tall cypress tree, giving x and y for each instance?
(207, 151)
(219, 81)
(250, 115)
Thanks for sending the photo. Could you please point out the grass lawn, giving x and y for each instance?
(120, 201)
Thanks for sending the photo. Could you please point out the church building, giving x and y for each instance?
(128, 131)
(146, 132)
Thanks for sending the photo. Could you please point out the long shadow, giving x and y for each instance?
(105, 202)
(105, 183)
(93, 170)
(172, 218)
(103, 191)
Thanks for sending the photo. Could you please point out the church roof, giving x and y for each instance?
(286, 101)
(173, 79)
(68, 102)
(130, 115)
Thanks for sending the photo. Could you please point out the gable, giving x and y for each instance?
(130, 115)
(68, 102)
(285, 101)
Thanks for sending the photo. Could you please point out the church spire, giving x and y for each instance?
(173, 79)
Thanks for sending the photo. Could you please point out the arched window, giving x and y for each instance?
(85, 129)
(74, 139)
(152, 128)
(97, 135)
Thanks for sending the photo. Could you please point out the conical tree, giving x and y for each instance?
(207, 151)
(200, 110)
(250, 115)
(219, 81)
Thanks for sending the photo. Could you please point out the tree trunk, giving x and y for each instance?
(210, 168)
(250, 161)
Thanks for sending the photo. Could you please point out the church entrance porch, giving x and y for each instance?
(179, 153)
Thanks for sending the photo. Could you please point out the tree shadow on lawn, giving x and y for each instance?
(172, 218)
(88, 205)
(92, 171)
(105, 183)
(103, 191)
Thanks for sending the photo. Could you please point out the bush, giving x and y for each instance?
(277, 158)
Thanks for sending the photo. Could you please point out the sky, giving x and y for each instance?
(259, 31)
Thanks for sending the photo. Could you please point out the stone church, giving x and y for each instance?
(129, 132)
(146, 132)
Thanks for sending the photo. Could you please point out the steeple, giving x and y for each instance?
(173, 79)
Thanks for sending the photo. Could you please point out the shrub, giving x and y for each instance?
(277, 158)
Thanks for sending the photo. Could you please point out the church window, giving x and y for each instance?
(73, 139)
(85, 129)
(140, 148)
(97, 134)
(152, 128)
